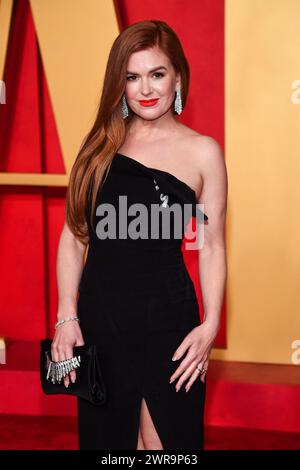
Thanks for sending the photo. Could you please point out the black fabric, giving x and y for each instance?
(137, 303)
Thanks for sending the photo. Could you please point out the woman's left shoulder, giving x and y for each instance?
(202, 147)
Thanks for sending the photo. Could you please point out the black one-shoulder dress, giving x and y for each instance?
(137, 302)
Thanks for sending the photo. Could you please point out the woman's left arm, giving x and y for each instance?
(212, 255)
(212, 266)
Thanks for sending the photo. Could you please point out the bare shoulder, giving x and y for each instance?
(206, 154)
(208, 146)
(206, 149)
(201, 147)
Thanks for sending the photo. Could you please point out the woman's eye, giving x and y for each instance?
(134, 76)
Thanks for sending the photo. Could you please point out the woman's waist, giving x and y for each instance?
(133, 256)
(152, 273)
(168, 286)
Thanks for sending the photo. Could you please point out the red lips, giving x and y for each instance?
(148, 102)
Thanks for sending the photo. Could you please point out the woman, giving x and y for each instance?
(137, 301)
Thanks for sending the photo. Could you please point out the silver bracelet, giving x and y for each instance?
(60, 322)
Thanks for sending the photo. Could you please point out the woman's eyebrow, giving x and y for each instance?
(150, 71)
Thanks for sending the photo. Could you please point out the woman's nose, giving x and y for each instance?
(146, 88)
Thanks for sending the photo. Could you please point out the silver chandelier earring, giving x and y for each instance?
(125, 111)
(178, 102)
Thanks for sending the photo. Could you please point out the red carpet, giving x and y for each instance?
(60, 433)
(248, 406)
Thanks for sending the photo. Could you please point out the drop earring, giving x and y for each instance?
(178, 102)
(125, 111)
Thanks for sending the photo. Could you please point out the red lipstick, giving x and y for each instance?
(148, 102)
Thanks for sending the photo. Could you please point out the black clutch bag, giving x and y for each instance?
(89, 383)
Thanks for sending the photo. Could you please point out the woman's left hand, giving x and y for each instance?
(199, 343)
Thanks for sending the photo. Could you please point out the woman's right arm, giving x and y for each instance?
(69, 266)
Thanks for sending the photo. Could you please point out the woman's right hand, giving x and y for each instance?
(67, 335)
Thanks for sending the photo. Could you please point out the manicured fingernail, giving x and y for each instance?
(73, 379)
(66, 385)
(171, 380)
(187, 389)
(174, 358)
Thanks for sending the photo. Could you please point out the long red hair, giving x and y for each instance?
(109, 129)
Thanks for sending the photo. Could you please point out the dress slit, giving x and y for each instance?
(154, 421)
